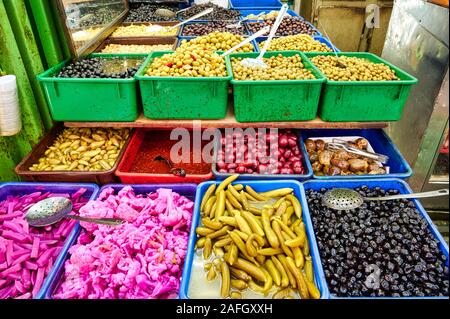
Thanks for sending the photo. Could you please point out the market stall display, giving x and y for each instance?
(28, 254)
(252, 233)
(240, 248)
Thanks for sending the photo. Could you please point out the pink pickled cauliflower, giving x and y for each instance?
(140, 259)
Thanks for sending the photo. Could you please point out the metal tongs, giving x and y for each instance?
(339, 144)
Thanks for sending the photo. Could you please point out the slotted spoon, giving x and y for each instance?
(51, 210)
(348, 199)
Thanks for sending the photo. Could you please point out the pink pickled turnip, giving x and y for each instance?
(27, 253)
(140, 259)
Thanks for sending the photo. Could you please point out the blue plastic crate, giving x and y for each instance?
(313, 27)
(187, 190)
(300, 177)
(259, 186)
(255, 4)
(391, 183)
(316, 37)
(255, 45)
(20, 189)
(246, 12)
(381, 143)
(180, 34)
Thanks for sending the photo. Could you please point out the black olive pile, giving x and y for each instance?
(95, 68)
(198, 29)
(289, 26)
(219, 13)
(146, 13)
(379, 249)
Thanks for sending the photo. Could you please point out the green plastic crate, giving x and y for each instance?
(277, 100)
(92, 100)
(183, 97)
(362, 101)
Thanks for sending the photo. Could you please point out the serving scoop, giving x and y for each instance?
(51, 210)
(348, 199)
(258, 62)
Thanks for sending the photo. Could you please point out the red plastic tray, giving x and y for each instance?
(128, 177)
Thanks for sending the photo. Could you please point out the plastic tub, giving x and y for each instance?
(313, 27)
(277, 100)
(187, 190)
(259, 186)
(348, 101)
(79, 99)
(253, 42)
(132, 151)
(391, 183)
(316, 37)
(255, 4)
(380, 141)
(19, 189)
(183, 97)
(98, 177)
(246, 12)
(181, 34)
(138, 41)
(300, 177)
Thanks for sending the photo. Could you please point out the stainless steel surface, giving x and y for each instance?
(417, 41)
(347, 199)
(88, 23)
(342, 199)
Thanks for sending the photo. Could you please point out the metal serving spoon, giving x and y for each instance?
(175, 171)
(51, 210)
(347, 199)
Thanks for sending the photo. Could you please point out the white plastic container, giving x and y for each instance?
(10, 120)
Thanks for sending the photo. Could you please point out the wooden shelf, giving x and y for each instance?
(228, 122)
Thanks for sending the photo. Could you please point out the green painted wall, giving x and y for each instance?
(29, 44)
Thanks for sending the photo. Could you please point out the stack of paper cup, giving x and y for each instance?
(10, 122)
